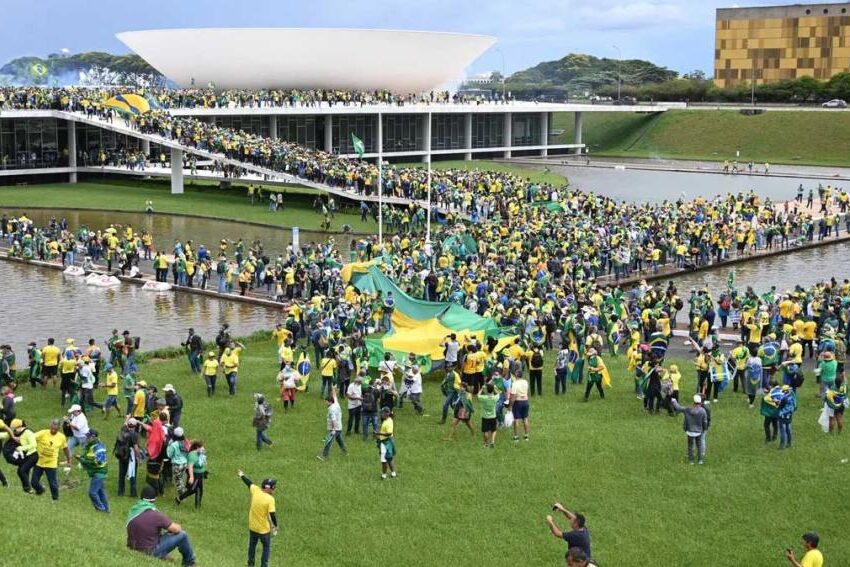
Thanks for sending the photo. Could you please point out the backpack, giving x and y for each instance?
(678, 304)
(368, 400)
(221, 339)
(537, 360)
(121, 450)
(9, 449)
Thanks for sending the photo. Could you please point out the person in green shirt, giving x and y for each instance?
(197, 468)
(128, 390)
(826, 371)
(94, 461)
(35, 364)
(488, 398)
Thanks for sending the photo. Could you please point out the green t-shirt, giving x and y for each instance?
(128, 383)
(828, 370)
(488, 405)
(193, 460)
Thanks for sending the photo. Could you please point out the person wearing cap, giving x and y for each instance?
(94, 460)
(85, 371)
(151, 532)
(79, 424)
(578, 536)
(34, 356)
(230, 365)
(210, 371)
(826, 371)
(334, 423)
(174, 403)
(49, 442)
(386, 443)
(110, 383)
(25, 449)
(128, 453)
(262, 518)
(812, 556)
(177, 452)
(140, 399)
(67, 373)
(695, 423)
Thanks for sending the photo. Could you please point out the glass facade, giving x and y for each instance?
(488, 130)
(525, 130)
(780, 43)
(307, 131)
(364, 127)
(448, 131)
(33, 143)
(257, 125)
(403, 132)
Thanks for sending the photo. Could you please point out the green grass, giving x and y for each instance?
(812, 138)
(535, 175)
(201, 199)
(455, 503)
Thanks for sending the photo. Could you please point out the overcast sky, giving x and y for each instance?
(678, 34)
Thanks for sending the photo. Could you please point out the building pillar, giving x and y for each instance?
(273, 126)
(508, 134)
(72, 151)
(577, 139)
(544, 133)
(467, 133)
(426, 139)
(329, 133)
(146, 148)
(176, 171)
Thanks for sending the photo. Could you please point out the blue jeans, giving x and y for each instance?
(262, 438)
(266, 541)
(37, 471)
(369, 417)
(97, 493)
(785, 436)
(221, 285)
(330, 440)
(449, 401)
(387, 322)
(231, 382)
(180, 541)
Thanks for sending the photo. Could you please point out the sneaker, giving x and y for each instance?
(526, 437)
(700, 462)
(392, 474)
(514, 438)
(383, 477)
(320, 458)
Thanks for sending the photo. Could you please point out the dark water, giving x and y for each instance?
(38, 303)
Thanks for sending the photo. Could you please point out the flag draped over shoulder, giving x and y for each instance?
(358, 145)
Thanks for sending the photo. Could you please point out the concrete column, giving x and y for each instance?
(329, 133)
(544, 133)
(273, 126)
(72, 151)
(146, 148)
(578, 132)
(467, 133)
(426, 138)
(176, 171)
(508, 135)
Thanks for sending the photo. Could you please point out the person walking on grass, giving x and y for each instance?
(450, 387)
(262, 420)
(354, 395)
(695, 423)
(334, 422)
(128, 453)
(177, 452)
(386, 443)
(49, 442)
(196, 466)
(151, 532)
(519, 406)
(94, 461)
(488, 399)
(812, 556)
(262, 518)
(210, 372)
(462, 411)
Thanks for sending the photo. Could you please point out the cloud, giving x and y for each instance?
(631, 15)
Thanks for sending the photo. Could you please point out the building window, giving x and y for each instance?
(298, 129)
(403, 132)
(525, 130)
(364, 127)
(448, 131)
(488, 130)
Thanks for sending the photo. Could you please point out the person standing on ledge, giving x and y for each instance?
(262, 519)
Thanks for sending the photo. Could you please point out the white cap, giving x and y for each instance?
(169, 388)
(697, 399)
(74, 408)
(178, 432)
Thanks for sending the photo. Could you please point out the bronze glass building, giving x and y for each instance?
(774, 43)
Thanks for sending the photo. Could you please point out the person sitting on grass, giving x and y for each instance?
(145, 527)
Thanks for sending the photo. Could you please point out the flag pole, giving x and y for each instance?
(428, 215)
(380, 181)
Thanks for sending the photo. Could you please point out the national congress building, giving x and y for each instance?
(775, 43)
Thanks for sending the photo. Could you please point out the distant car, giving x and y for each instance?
(626, 101)
(835, 103)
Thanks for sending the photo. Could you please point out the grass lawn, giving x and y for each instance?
(812, 138)
(455, 503)
(537, 175)
(201, 199)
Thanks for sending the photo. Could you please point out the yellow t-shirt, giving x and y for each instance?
(280, 335)
(139, 404)
(328, 365)
(262, 506)
(48, 446)
(809, 329)
(50, 355)
(67, 366)
(112, 383)
(210, 367)
(230, 362)
(386, 428)
(812, 558)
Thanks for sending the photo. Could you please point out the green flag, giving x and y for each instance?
(38, 70)
(730, 279)
(359, 146)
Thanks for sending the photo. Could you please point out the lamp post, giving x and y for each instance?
(502, 53)
(619, 76)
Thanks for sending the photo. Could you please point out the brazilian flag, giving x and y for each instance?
(358, 145)
(38, 70)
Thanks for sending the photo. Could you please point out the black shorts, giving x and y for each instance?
(488, 424)
(49, 371)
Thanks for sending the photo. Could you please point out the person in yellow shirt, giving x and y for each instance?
(285, 355)
(49, 442)
(49, 362)
(386, 444)
(139, 400)
(262, 517)
(111, 385)
(230, 365)
(813, 556)
(328, 366)
(807, 336)
(280, 334)
(209, 370)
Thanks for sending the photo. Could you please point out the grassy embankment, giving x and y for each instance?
(811, 138)
(457, 503)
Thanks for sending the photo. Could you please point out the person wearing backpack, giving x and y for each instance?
(127, 451)
(535, 370)
(368, 408)
(197, 469)
(94, 461)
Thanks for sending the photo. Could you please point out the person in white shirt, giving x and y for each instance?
(519, 405)
(79, 424)
(354, 394)
(452, 347)
(334, 426)
(415, 390)
(86, 371)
